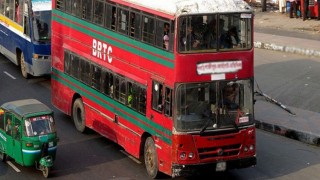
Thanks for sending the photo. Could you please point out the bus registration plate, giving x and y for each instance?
(221, 166)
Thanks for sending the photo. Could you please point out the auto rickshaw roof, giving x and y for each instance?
(26, 106)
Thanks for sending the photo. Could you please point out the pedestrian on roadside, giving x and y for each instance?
(282, 6)
(306, 10)
(293, 8)
(318, 4)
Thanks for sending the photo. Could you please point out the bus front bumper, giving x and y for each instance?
(187, 170)
(41, 66)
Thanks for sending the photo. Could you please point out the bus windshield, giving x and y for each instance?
(42, 26)
(40, 125)
(215, 32)
(214, 105)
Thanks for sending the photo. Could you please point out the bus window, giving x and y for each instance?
(113, 18)
(26, 27)
(61, 4)
(142, 100)
(148, 29)
(67, 67)
(119, 89)
(107, 83)
(132, 24)
(98, 12)
(85, 71)
(18, 12)
(157, 96)
(135, 25)
(168, 102)
(68, 6)
(74, 66)
(9, 9)
(1, 6)
(87, 10)
(96, 74)
(123, 21)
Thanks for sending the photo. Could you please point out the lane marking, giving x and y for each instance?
(131, 157)
(9, 75)
(13, 166)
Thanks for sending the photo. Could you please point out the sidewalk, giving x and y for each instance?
(276, 31)
(272, 29)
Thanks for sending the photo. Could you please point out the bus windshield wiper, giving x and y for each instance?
(233, 122)
(209, 116)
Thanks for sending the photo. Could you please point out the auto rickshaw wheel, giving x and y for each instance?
(151, 158)
(3, 156)
(78, 115)
(46, 171)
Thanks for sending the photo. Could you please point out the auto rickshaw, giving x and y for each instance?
(28, 134)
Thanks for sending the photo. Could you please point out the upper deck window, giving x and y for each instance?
(215, 32)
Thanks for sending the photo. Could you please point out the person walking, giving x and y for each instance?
(306, 9)
(282, 6)
(293, 8)
(318, 4)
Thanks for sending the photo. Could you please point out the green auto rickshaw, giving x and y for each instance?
(28, 134)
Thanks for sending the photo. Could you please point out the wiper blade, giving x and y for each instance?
(207, 114)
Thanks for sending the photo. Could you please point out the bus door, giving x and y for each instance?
(161, 102)
(13, 131)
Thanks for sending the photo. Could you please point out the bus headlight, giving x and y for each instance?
(191, 155)
(182, 155)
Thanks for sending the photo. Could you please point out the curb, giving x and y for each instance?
(305, 137)
(288, 49)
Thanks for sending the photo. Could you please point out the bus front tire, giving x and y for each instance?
(151, 158)
(78, 115)
(23, 67)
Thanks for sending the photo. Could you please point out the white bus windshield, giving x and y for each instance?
(42, 25)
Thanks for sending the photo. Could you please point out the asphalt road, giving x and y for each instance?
(90, 156)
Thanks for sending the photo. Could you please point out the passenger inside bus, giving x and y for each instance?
(166, 42)
(229, 97)
(209, 38)
(190, 41)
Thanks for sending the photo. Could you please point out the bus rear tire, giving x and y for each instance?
(151, 158)
(23, 66)
(78, 115)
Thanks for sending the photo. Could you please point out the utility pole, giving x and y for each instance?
(264, 5)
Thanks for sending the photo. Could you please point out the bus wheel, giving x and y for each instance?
(23, 67)
(151, 158)
(3, 156)
(78, 115)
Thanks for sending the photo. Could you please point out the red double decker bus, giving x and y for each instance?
(169, 81)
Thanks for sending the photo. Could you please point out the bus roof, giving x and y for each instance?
(177, 7)
(26, 106)
(41, 5)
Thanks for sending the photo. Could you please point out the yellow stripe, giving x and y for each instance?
(9, 23)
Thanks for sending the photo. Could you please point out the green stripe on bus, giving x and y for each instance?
(96, 98)
(148, 55)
